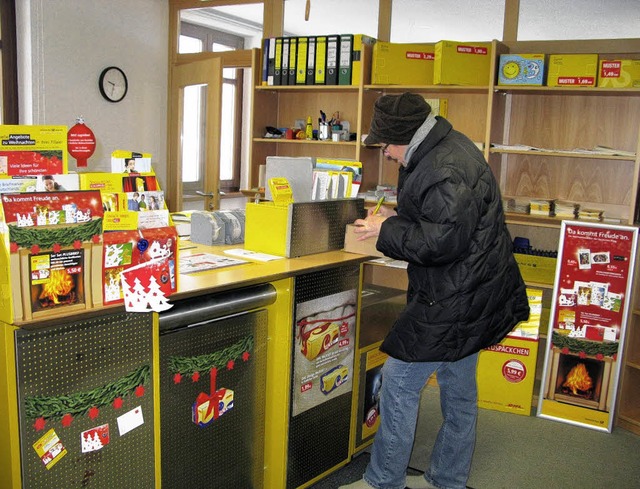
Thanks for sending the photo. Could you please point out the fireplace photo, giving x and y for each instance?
(581, 380)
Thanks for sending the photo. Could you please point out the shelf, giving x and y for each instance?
(567, 90)
(302, 88)
(562, 154)
(304, 141)
(428, 88)
(549, 222)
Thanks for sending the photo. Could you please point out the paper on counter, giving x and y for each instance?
(252, 255)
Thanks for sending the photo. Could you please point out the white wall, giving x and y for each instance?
(63, 45)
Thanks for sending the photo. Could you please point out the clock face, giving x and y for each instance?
(113, 84)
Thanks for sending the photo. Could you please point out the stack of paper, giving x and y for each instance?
(513, 204)
(540, 207)
(565, 209)
(591, 214)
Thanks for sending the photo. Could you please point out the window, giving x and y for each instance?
(8, 63)
(193, 39)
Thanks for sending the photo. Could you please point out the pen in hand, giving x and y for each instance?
(378, 205)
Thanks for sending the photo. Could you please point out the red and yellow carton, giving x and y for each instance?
(619, 73)
(572, 70)
(402, 64)
(462, 63)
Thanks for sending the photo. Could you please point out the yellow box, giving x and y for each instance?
(267, 228)
(402, 64)
(462, 63)
(619, 73)
(506, 375)
(541, 269)
(572, 70)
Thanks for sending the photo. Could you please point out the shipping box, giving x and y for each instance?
(521, 69)
(462, 63)
(541, 269)
(402, 64)
(572, 70)
(364, 247)
(619, 73)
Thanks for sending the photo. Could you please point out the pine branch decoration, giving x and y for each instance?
(46, 237)
(55, 407)
(577, 345)
(204, 363)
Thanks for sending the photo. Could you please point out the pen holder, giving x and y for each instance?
(324, 131)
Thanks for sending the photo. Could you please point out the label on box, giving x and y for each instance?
(572, 70)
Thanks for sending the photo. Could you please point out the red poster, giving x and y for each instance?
(588, 317)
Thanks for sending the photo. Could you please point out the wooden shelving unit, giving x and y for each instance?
(558, 119)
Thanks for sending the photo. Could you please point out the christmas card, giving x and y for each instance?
(127, 249)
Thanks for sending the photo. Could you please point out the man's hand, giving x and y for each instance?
(369, 227)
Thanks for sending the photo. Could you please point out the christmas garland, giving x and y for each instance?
(204, 363)
(577, 346)
(79, 403)
(62, 235)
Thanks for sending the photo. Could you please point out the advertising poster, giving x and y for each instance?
(588, 315)
(323, 349)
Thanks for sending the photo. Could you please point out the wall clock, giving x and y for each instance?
(113, 84)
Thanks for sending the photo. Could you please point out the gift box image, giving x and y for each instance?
(521, 69)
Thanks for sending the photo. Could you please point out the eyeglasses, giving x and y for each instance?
(385, 147)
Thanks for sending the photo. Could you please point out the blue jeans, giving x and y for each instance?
(402, 384)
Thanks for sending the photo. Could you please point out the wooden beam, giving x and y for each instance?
(511, 19)
(273, 24)
(384, 20)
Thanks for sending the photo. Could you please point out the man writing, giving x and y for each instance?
(465, 290)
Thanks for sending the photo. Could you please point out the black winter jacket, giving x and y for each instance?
(465, 289)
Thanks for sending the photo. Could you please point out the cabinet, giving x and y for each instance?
(559, 119)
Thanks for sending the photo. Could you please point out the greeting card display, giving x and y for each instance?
(51, 242)
(130, 162)
(124, 250)
(588, 319)
(33, 150)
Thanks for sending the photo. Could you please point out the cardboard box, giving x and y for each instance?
(541, 269)
(521, 69)
(352, 245)
(402, 64)
(506, 375)
(462, 63)
(572, 70)
(619, 73)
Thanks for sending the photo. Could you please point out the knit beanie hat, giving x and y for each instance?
(396, 118)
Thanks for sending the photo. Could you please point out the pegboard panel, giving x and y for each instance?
(78, 381)
(228, 451)
(326, 282)
(319, 226)
(319, 423)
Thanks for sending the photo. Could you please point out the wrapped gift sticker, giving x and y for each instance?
(209, 407)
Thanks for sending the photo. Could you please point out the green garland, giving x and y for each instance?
(204, 363)
(79, 403)
(62, 235)
(577, 345)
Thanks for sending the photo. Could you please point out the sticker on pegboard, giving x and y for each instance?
(95, 438)
(49, 448)
(209, 407)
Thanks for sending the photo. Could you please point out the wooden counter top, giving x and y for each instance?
(225, 278)
(253, 272)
